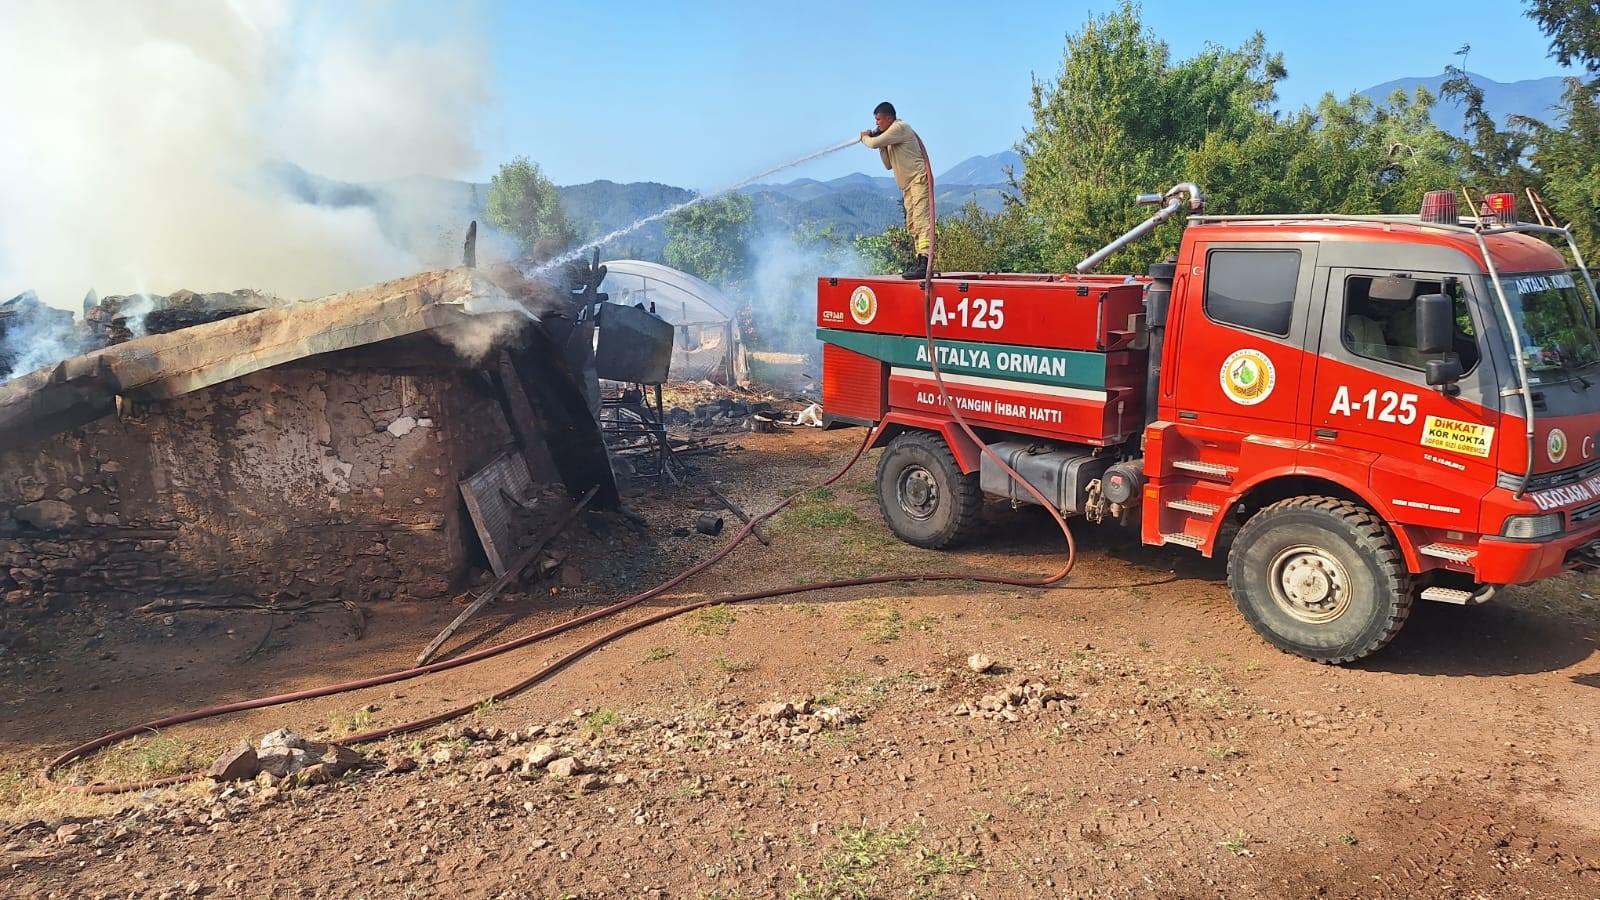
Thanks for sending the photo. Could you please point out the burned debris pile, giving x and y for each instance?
(125, 318)
(30, 331)
(726, 414)
(34, 335)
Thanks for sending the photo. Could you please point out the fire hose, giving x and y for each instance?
(954, 408)
(89, 748)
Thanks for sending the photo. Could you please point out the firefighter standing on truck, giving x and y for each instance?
(901, 150)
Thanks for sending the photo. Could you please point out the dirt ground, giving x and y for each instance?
(1133, 738)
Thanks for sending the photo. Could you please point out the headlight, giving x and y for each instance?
(1526, 527)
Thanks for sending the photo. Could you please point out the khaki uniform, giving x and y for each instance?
(901, 150)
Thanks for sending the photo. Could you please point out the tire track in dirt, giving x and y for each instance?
(1450, 835)
(1015, 761)
(1213, 809)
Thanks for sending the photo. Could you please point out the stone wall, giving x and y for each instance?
(308, 480)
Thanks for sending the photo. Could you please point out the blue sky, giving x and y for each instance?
(702, 95)
(694, 94)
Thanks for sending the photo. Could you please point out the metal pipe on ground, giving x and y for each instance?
(743, 516)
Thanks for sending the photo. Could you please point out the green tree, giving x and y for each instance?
(1351, 157)
(1568, 156)
(526, 205)
(826, 245)
(975, 240)
(1573, 27)
(712, 240)
(1121, 118)
(1492, 159)
(887, 252)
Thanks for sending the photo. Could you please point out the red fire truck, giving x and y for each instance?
(1383, 408)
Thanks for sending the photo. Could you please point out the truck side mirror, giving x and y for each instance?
(1436, 325)
(1445, 371)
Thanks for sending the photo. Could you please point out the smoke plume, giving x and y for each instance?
(33, 335)
(783, 297)
(145, 143)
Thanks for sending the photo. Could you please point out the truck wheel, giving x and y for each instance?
(924, 496)
(1320, 577)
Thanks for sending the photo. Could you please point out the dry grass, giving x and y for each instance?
(708, 621)
(23, 798)
(877, 620)
(1574, 594)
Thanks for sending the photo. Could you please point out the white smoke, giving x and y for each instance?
(133, 311)
(493, 318)
(783, 295)
(473, 338)
(32, 340)
(141, 135)
(40, 346)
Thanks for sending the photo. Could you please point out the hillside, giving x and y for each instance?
(426, 215)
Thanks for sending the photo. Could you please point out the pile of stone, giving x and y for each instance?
(775, 726)
(285, 758)
(794, 720)
(1027, 699)
(556, 753)
(568, 755)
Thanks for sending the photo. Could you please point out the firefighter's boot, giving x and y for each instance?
(918, 269)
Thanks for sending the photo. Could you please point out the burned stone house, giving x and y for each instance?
(310, 449)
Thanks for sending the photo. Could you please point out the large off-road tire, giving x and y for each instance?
(924, 496)
(1320, 577)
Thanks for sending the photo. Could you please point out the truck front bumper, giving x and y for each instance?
(1503, 561)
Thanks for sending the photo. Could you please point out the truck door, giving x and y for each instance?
(1431, 451)
(1234, 365)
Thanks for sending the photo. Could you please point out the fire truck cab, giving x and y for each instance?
(1384, 409)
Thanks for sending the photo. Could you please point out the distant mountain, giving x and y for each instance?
(1535, 98)
(864, 204)
(601, 207)
(983, 169)
(805, 189)
(849, 212)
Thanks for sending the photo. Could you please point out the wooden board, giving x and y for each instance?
(493, 514)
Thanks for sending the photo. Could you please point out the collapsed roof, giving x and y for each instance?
(86, 387)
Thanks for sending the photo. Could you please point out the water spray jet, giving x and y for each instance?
(571, 255)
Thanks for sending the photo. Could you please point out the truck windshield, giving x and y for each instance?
(1556, 321)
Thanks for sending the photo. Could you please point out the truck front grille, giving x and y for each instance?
(1584, 513)
(1513, 480)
